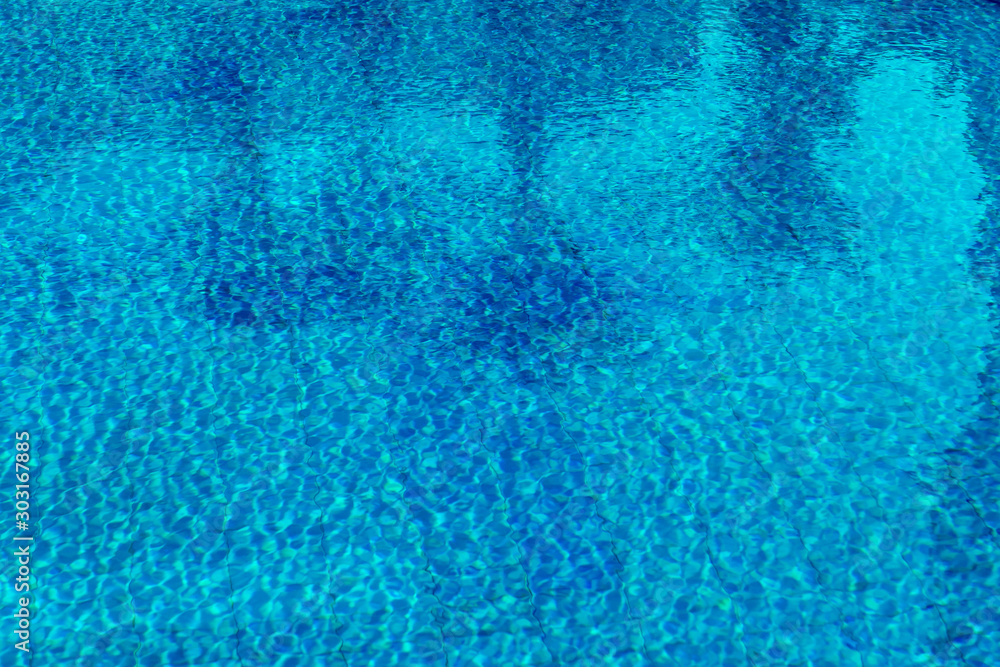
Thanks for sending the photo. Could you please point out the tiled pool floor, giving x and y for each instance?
(488, 333)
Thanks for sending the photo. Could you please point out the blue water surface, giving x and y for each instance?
(495, 332)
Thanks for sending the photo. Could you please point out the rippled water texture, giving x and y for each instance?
(505, 333)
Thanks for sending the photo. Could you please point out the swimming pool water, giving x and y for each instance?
(497, 332)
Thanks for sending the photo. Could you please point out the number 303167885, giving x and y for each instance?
(21, 459)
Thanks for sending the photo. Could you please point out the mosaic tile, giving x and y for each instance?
(481, 333)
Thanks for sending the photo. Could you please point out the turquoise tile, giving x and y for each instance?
(492, 333)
